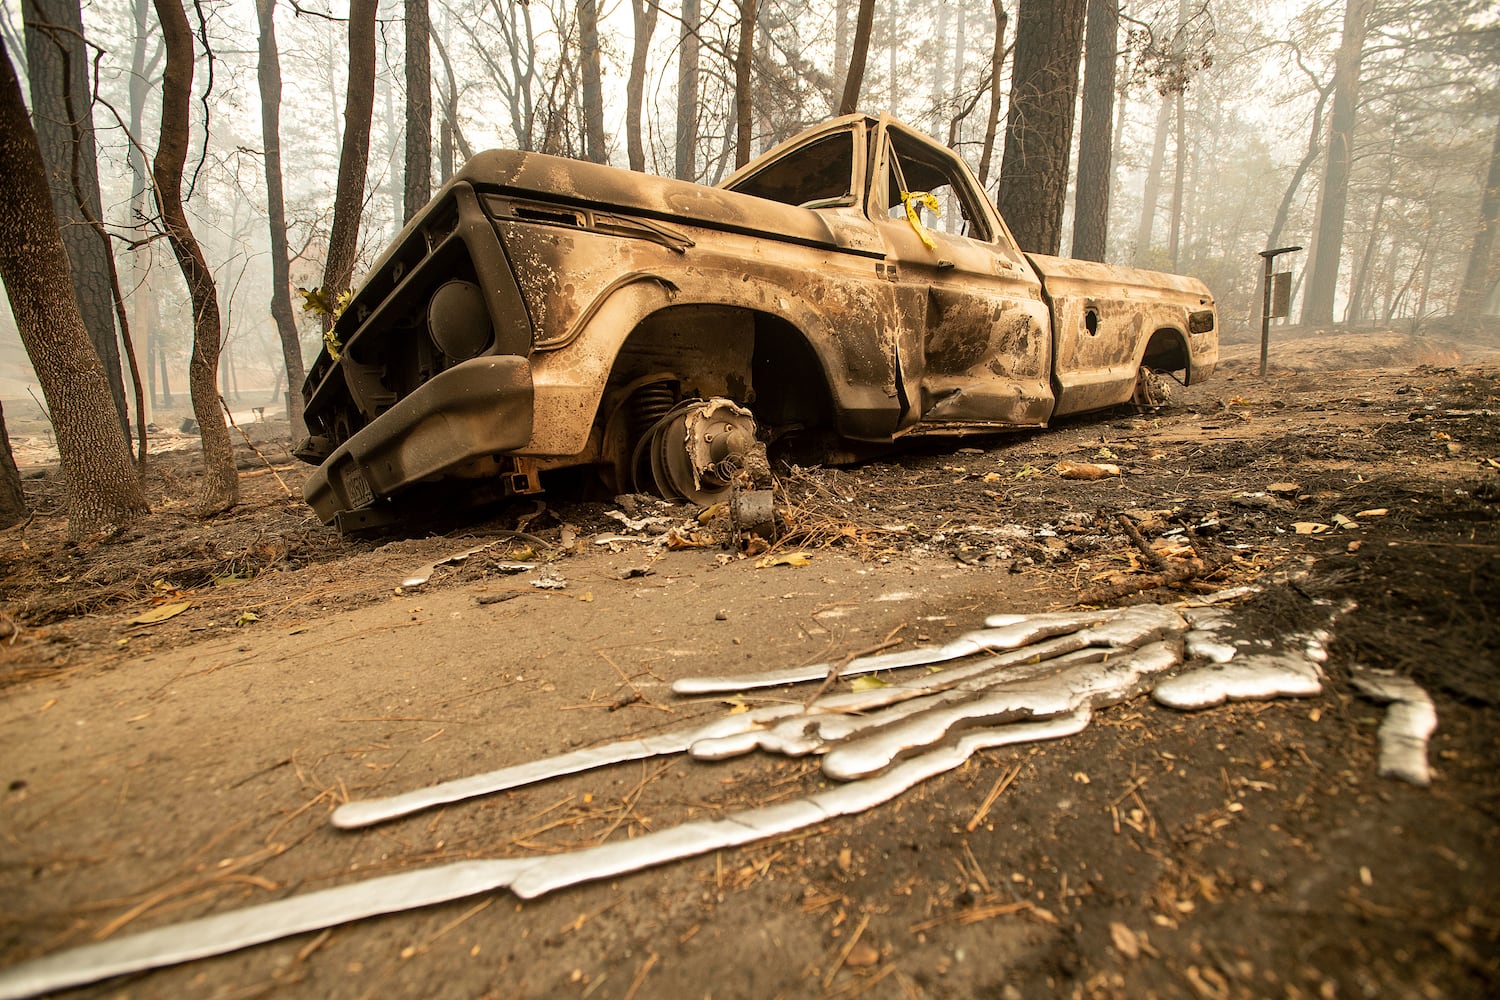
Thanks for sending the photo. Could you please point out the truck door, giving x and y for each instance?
(976, 325)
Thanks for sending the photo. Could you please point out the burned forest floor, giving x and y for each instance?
(182, 706)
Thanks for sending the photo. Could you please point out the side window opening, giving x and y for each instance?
(916, 167)
(819, 175)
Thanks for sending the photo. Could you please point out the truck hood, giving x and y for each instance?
(595, 186)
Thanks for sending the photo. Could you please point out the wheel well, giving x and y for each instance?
(756, 359)
(1166, 351)
(789, 382)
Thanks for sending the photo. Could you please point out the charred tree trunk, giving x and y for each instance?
(859, 54)
(960, 33)
(939, 79)
(1359, 285)
(992, 121)
(644, 13)
(145, 57)
(1039, 126)
(687, 93)
(220, 483)
(57, 63)
(1091, 203)
(167, 398)
(1152, 192)
(354, 159)
(451, 134)
(593, 86)
(1328, 243)
(13, 508)
(743, 106)
(75, 194)
(840, 50)
(1179, 173)
(281, 285)
(395, 156)
(418, 110)
(1477, 274)
(893, 25)
(103, 491)
(1314, 144)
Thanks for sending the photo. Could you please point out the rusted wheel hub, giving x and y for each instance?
(697, 450)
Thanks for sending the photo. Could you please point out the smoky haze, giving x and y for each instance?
(1366, 132)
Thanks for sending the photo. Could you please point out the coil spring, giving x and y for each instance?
(649, 404)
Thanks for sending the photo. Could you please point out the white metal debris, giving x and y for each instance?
(655, 524)
(526, 877)
(419, 577)
(1206, 644)
(1021, 678)
(1003, 632)
(1253, 677)
(422, 575)
(356, 814)
(1408, 723)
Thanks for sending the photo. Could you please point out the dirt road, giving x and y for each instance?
(157, 772)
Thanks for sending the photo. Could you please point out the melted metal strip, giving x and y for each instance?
(737, 734)
(826, 711)
(1009, 636)
(1083, 686)
(527, 877)
(1252, 677)
(728, 736)
(1078, 619)
(1205, 644)
(352, 815)
(829, 723)
(830, 718)
(1225, 596)
(617, 857)
(1054, 684)
(1408, 723)
(236, 929)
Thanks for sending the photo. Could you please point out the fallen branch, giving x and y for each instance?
(1154, 557)
(837, 668)
(1179, 573)
(287, 489)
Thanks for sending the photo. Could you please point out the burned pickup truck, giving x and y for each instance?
(851, 288)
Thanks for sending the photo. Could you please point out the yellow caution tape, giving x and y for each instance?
(913, 200)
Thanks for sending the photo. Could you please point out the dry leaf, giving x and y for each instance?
(160, 613)
(790, 559)
(1086, 470)
(1124, 940)
(1309, 527)
(678, 540)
